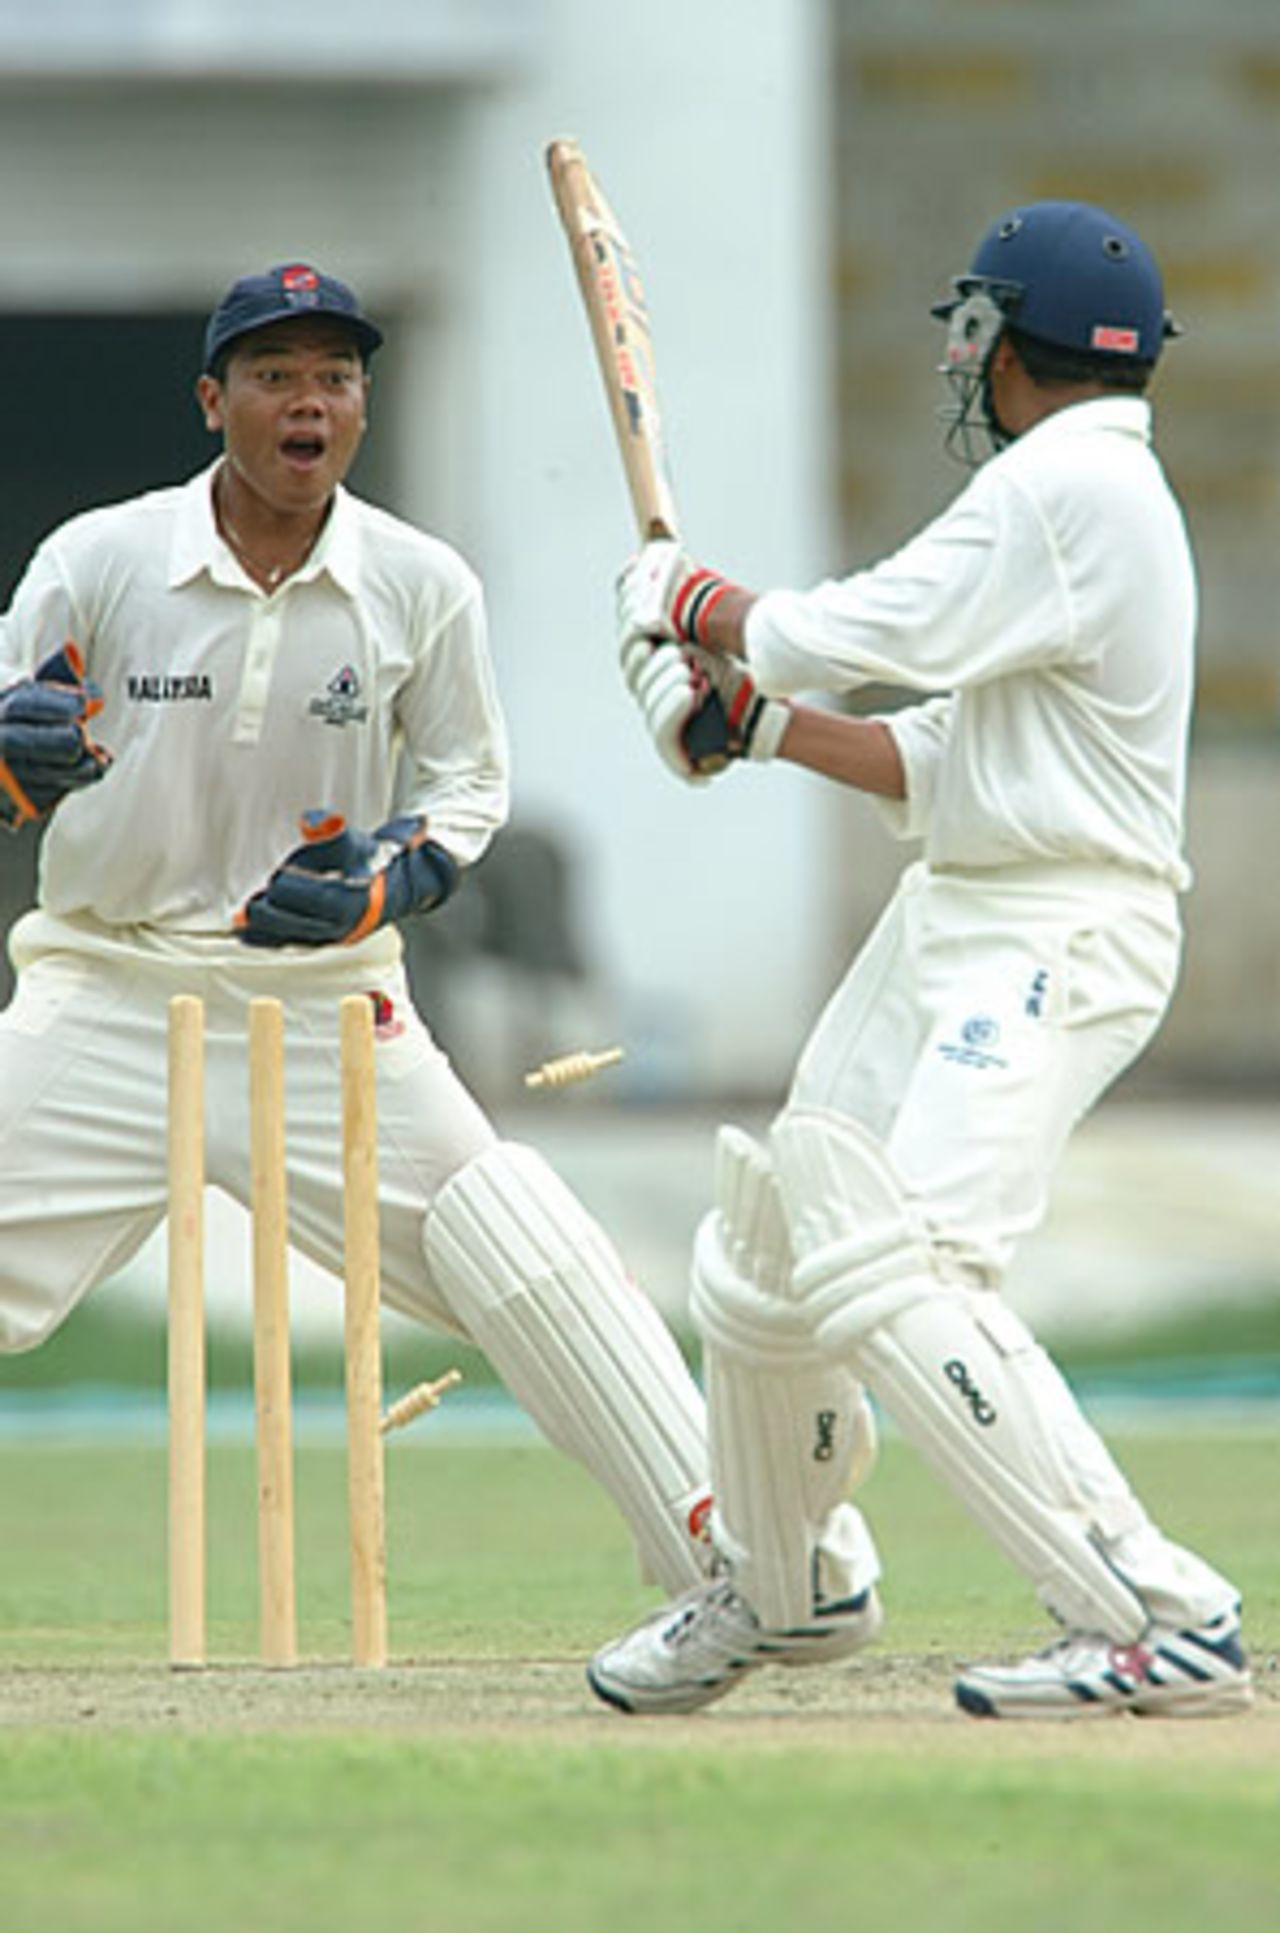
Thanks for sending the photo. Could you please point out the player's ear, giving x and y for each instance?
(1003, 356)
(209, 401)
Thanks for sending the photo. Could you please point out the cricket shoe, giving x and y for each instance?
(1180, 1674)
(698, 1648)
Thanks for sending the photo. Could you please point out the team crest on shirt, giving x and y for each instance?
(340, 703)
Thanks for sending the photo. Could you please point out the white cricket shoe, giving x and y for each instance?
(698, 1648)
(1182, 1674)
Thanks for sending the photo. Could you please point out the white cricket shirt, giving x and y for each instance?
(361, 685)
(1053, 607)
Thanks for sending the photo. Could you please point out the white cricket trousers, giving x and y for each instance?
(980, 1022)
(83, 1109)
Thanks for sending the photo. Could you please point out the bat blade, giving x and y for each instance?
(614, 298)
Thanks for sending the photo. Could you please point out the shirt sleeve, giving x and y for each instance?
(979, 593)
(41, 618)
(920, 733)
(456, 766)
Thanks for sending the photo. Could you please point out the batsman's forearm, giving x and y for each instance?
(861, 752)
(726, 623)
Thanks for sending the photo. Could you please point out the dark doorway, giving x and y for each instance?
(96, 408)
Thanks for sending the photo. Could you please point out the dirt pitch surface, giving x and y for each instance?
(903, 1703)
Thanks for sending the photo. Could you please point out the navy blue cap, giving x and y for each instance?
(289, 290)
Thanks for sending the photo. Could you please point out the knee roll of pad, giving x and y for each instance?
(732, 1312)
(740, 1291)
(750, 1215)
(859, 1255)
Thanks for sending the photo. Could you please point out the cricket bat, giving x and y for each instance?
(613, 294)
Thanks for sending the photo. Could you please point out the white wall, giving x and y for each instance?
(706, 126)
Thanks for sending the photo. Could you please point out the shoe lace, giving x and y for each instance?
(1074, 1645)
(689, 1612)
(1078, 1652)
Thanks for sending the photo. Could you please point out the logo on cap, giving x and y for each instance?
(300, 286)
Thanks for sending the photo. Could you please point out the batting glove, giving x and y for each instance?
(45, 748)
(702, 710)
(754, 726)
(662, 593)
(340, 885)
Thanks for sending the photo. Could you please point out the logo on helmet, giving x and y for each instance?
(1119, 342)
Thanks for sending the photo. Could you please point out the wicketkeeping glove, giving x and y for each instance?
(45, 748)
(662, 593)
(339, 884)
(702, 709)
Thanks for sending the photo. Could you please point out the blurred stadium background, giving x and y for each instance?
(800, 178)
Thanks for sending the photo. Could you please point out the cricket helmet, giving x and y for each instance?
(1062, 273)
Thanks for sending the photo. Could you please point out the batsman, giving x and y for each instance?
(1042, 629)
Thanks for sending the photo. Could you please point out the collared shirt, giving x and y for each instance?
(1053, 608)
(361, 685)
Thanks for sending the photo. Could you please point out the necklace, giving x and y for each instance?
(271, 576)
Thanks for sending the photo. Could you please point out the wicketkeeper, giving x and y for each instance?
(305, 748)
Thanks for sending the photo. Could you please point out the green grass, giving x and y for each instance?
(1246, 1330)
(505, 1551)
(264, 1833)
(123, 1347)
(116, 1819)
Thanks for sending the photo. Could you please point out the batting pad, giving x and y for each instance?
(961, 1375)
(540, 1288)
(791, 1431)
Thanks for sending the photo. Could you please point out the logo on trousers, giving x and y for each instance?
(983, 1412)
(976, 1047)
